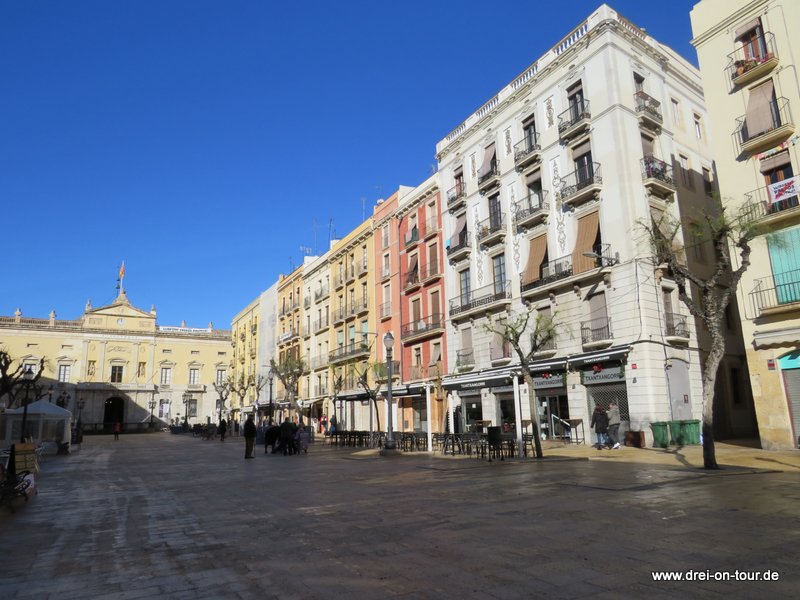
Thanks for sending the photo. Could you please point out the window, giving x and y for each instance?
(708, 182)
(775, 169)
(166, 375)
(638, 82)
(458, 177)
(685, 172)
(495, 213)
(191, 408)
(529, 132)
(499, 268)
(576, 101)
(116, 374)
(584, 168)
(194, 376)
(698, 127)
(64, 373)
(163, 408)
(751, 34)
(489, 165)
(676, 113)
(436, 305)
(464, 284)
(436, 352)
(220, 376)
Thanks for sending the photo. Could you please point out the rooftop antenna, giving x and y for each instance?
(314, 227)
(305, 250)
(291, 264)
(363, 208)
(331, 230)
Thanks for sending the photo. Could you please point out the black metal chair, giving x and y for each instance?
(494, 440)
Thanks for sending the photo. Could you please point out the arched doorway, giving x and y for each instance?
(114, 412)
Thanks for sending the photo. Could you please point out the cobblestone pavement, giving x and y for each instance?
(171, 516)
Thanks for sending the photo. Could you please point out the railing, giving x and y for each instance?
(596, 330)
(458, 242)
(653, 168)
(288, 335)
(411, 278)
(575, 113)
(418, 372)
(776, 290)
(676, 325)
(421, 326)
(381, 370)
(340, 313)
(359, 305)
(648, 105)
(755, 52)
(559, 268)
(385, 310)
(487, 173)
(769, 118)
(318, 361)
(322, 323)
(362, 268)
(386, 272)
(465, 357)
(583, 177)
(430, 270)
(307, 301)
(496, 222)
(484, 296)
(456, 193)
(532, 204)
(527, 146)
(412, 237)
(350, 272)
(501, 352)
(321, 390)
(548, 346)
(430, 226)
(348, 350)
(767, 201)
(322, 292)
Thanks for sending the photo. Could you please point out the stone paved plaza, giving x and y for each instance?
(172, 516)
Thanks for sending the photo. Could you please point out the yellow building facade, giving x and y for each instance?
(116, 364)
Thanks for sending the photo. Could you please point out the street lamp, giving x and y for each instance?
(187, 397)
(27, 381)
(270, 378)
(152, 405)
(388, 342)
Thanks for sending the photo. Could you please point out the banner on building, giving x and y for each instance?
(784, 189)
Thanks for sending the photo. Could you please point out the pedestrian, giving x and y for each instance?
(223, 428)
(236, 427)
(116, 428)
(271, 436)
(333, 424)
(249, 437)
(600, 424)
(324, 424)
(613, 425)
(287, 437)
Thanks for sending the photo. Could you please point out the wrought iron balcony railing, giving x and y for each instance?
(596, 330)
(648, 106)
(761, 122)
(381, 370)
(350, 350)
(676, 325)
(576, 112)
(465, 358)
(757, 52)
(430, 270)
(422, 326)
(528, 146)
(530, 207)
(456, 194)
(501, 351)
(778, 289)
(777, 198)
(488, 227)
(484, 296)
(653, 168)
(485, 174)
(411, 279)
(581, 178)
(458, 242)
(385, 310)
(551, 271)
(412, 237)
(322, 292)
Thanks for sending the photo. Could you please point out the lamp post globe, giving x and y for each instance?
(389, 447)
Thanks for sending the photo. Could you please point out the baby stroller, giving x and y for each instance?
(301, 440)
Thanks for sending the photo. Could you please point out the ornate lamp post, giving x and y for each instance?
(389, 447)
(152, 405)
(27, 381)
(187, 397)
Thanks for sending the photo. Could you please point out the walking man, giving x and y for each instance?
(249, 437)
(116, 429)
(613, 425)
(223, 428)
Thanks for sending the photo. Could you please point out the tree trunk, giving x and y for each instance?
(709, 382)
(537, 440)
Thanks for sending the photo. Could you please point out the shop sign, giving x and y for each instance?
(602, 375)
(478, 385)
(549, 380)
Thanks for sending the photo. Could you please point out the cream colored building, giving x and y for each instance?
(119, 362)
(316, 333)
(746, 50)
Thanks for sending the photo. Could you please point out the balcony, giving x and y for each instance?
(500, 354)
(548, 348)
(657, 177)
(527, 152)
(422, 328)
(459, 247)
(320, 390)
(765, 128)
(648, 111)
(321, 324)
(322, 293)
(417, 372)
(349, 351)
(489, 177)
(350, 273)
(457, 197)
(676, 328)
(386, 273)
(306, 301)
(465, 359)
(319, 361)
(574, 120)
(775, 206)
(411, 280)
(381, 370)
(778, 293)
(581, 185)
(483, 300)
(596, 333)
(430, 272)
(551, 272)
(385, 311)
(286, 337)
(411, 238)
(338, 280)
(360, 306)
(530, 211)
(752, 60)
(492, 231)
(430, 227)
(340, 314)
(307, 331)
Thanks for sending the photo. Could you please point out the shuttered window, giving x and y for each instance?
(588, 233)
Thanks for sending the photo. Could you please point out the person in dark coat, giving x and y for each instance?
(287, 437)
(223, 428)
(600, 424)
(271, 436)
(249, 437)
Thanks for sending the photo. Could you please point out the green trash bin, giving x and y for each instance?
(677, 434)
(660, 434)
(691, 432)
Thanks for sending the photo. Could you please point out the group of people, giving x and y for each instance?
(288, 437)
(606, 426)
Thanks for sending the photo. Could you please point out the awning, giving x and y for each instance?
(477, 381)
(581, 149)
(749, 26)
(759, 117)
(616, 353)
(558, 364)
(775, 161)
(538, 249)
(587, 233)
(488, 155)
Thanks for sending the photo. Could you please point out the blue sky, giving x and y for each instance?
(200, 141)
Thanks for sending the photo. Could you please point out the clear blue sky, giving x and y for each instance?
(200, 140)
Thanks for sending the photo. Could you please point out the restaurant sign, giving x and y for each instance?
(549, 380)
(602, 375)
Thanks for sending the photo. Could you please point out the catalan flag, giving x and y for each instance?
(122, 270)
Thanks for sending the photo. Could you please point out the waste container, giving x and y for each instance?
(677, 434)
(660, 434)
(691, 432)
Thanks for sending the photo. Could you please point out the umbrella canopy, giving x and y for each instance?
(42, 407)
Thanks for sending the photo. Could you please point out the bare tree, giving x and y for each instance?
(379, 370)
(239, 386)
(289, 371)
(223, 391)
(11, 376)
(513, 330)
(706, 295)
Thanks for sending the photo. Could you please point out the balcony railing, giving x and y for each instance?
(340, 314)
(321, 390)
(349, 350)
(287, 336)
(491, 228)
(752, 59)
(501, 351)
(430, 227)
(484, 296)
(531, 209)
(548, 346)
(322, 292)
(411, 279)
(526, 150)
(322, 323)
(551, 271)
(582, 179)
(318, 361)
(307, 301)
(422, 326)
(381, 370)
(418, 372)
(648, 108)
(676, 325)
(573, 116)
(456, 195)
(653, 168)
(412, 237)
(777, 290)
(386, 272)
(430, 271)
(459, 244)
(773, 200)
(765, 126)
(385, 310)
(488, 173)
(596, 330)
(465, 358)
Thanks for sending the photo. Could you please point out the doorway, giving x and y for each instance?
(554, 414)
(114, 412)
